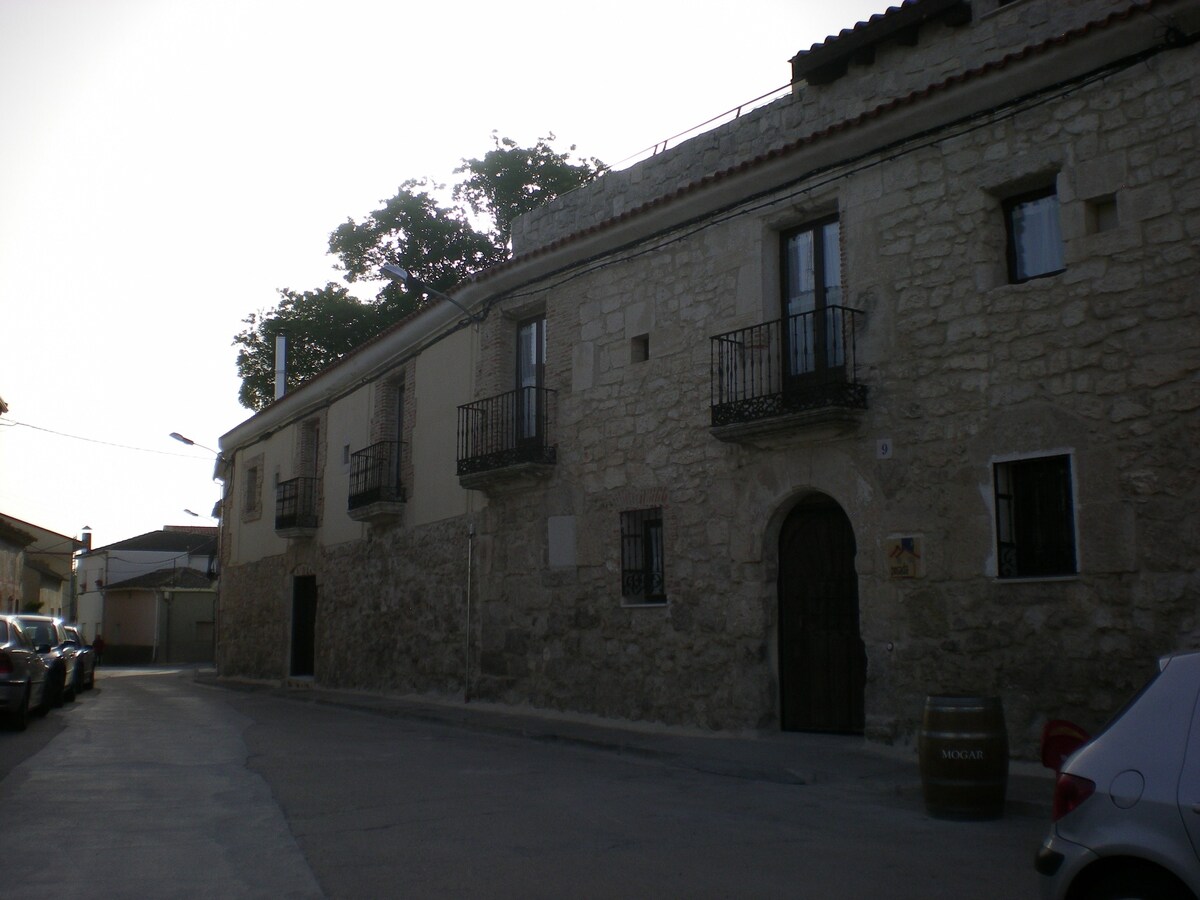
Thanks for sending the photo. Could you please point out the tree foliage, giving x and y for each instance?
(413, 231)
(321, 326)
(442, 244)
(509, 181)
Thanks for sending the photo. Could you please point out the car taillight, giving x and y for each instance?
(5, 664)
(1069, 793)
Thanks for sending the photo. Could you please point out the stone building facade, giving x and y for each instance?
(886, 389)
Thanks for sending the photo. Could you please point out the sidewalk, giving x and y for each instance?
(781, 757)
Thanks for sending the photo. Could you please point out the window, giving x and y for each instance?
(310, 448)
(250, 498)
(531, 373)
(1035, 518)
(642, 556)
(812, 297)
(1035, 246)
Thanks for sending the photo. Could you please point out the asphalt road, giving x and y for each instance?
(152, 785)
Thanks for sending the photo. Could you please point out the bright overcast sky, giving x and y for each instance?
(167, 165)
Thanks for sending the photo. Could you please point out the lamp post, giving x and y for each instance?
(411, 282)
(216, 557)
(187, 440)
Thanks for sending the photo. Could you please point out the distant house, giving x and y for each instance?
(152, 597)
(887, 388)
(13, 542)
(36, 569)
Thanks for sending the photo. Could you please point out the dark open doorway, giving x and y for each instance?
(304, 624)
(822, 659)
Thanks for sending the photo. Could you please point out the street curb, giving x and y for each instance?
(889, 772)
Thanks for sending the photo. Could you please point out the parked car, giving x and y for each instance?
(85, 659)
(48, 637)
(24, 675)
(1127, 803)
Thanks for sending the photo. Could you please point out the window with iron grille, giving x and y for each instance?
(642, 556)
(1035, 518)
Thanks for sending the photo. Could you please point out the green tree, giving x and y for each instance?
(321, 326)
(441, 244)
(509, 181)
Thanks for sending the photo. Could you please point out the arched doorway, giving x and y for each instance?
(822, 660)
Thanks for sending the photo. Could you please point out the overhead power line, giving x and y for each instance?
(9, 423)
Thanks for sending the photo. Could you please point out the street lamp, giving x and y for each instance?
(186, 440)
(411, 282)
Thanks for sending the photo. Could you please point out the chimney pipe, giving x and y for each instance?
(280, 364)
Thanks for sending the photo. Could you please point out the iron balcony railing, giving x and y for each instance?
(791, 365)
(375, 475)
(296, 504)
(507, 430)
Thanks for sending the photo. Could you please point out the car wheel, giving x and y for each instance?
(1139, 882)
(19, 720)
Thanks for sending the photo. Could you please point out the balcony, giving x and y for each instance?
(790, 373)
(297, 512)
(508, 439)
(376, 494)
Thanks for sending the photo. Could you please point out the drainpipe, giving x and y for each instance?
(467, 641)
(474, 359)
(158, 601)
(168, 596)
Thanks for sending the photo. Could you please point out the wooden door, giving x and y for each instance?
(304, 624)
(822, 659)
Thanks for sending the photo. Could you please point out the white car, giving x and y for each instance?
(1127, 803)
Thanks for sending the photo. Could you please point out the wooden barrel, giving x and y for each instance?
(963, 746)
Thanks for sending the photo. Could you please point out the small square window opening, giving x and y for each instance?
(1102, 214)
(639, 348)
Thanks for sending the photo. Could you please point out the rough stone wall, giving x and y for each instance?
(1100, 359)
(391, 611)
(962, 368)
(254, 614)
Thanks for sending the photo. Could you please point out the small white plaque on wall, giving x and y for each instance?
(561, 541)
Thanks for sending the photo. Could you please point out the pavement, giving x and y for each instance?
(782, 757)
